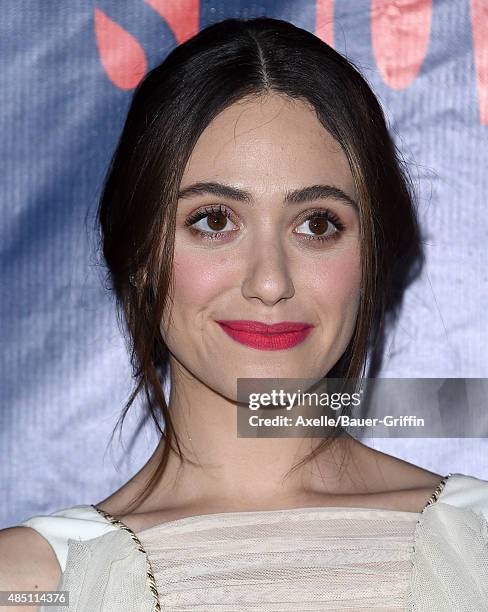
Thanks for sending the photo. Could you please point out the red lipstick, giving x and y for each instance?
(272, 337)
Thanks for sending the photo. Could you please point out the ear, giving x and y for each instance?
(137, 279)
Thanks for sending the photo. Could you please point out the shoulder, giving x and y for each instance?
(466, 492)
(27, 562)
(450, 553)
(53, 531)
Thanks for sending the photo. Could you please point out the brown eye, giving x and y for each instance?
(318, 224)
(321, 226)
(210, 222)
(217, 221)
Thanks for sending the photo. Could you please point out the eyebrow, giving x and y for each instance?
(296, 196)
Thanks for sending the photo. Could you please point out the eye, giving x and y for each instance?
(323, 224)
(215, 218)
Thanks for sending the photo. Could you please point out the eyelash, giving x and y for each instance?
(322, 213)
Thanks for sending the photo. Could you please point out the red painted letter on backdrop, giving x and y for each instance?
(400, 31)
(122, 57)
(182, 16)
(479, 21)
(324, 21)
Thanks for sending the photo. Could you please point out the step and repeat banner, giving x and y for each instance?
(68, 71)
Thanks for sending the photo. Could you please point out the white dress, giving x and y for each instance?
(325, 558)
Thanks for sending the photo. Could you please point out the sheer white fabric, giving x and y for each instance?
(105, 574)
(296, 559)
(450, 561)
(306, 559)
(82, 522)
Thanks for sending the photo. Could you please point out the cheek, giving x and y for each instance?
(197, 280)
(337, 283)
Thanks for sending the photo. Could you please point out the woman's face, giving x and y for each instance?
(260, 257)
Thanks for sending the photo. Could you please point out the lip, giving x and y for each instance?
(264, 336)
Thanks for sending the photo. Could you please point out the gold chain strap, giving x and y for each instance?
(437, 492)
(150, 576)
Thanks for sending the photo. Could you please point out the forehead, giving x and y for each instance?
(268, 143)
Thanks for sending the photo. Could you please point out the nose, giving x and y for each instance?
(268, 275)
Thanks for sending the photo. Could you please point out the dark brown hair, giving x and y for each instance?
(171, 107)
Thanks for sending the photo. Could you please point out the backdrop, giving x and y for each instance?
(68, 70)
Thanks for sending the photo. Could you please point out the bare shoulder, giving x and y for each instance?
(393, 482)
(389, 473)
(27, 562)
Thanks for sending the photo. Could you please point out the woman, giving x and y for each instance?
(255, 180)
